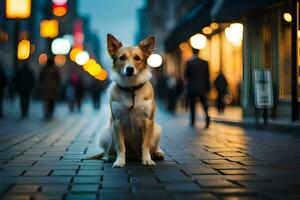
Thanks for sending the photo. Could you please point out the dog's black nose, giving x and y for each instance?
(129, 71)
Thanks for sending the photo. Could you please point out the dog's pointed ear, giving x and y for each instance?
(113, 44)
(147, 45)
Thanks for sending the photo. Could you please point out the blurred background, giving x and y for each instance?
(67, 39)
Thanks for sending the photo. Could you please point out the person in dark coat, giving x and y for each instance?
(96, 88)
(221, 86)
(3, 82)
(74, 91)
(24, 83)
(197, 79)
(49, 81)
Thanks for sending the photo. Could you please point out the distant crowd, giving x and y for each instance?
(47, 86)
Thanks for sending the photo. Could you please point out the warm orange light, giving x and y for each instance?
(20, 9)
(60, 60)
(207, 30)
(49, 28)
(3, 36)
(102, 75)
(184, 46)
(23, 50)
(89, 64)
(214, 25)
(74, 52)
(43, 59)
(59, 11)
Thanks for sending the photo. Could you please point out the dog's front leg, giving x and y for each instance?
(146, 156)
(118, 135)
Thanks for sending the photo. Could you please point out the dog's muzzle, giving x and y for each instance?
(129, 71)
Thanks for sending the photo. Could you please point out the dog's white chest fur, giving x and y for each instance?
(139, 105)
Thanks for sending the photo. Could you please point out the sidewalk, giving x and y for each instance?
(233, 116)
(46, 161)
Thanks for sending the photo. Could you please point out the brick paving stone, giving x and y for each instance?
(37, 172)
(202, 196)
(41, 196)
(85, 188)
(182, 187)
(61, 172)
(235, 172)
(88, 179)
(90, 172)
(217, 183)
(24, 188)
(74, 196)
(194, 170)
(59, 188)
(16, 197)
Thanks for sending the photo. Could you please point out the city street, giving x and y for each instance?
(45, 160)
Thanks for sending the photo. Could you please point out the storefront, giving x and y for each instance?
(264, 35)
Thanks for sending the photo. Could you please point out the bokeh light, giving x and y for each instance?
(154, 60)
(102, 75)
(60, 10)
(214, 25)
(74, 52)
(49, 28)
(23, 49)
(59, 2)
(287, 17)
(82, 57)
(60, 46)
(234, 34)
(17, 9)
(207, 30)
(43, 59)
(60, 60)
(198, 41)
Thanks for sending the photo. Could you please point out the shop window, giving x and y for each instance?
(285, 60)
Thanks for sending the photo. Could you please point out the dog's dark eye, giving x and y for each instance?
(137, 58)
(123, 57)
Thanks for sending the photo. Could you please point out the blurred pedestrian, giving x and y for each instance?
(96, 88)
(49, 81)
(171, 92)
(221, 86)
(198, 85)
(74, 91)
(24, 83)
(3, 82)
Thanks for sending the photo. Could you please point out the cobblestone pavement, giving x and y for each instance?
(45, 160)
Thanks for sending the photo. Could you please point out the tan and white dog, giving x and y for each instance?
(132, 132)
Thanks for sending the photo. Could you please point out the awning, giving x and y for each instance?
(189, 25)
(229, 10)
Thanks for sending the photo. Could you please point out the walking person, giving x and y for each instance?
(221, 86)
(3, 82)
(49, 81)
(197, 79)
(24, 83)
(96, 88)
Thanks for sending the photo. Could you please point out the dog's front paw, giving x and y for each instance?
(148, 162)
(119, 163)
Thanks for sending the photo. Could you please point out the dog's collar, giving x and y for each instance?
(131, 89)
